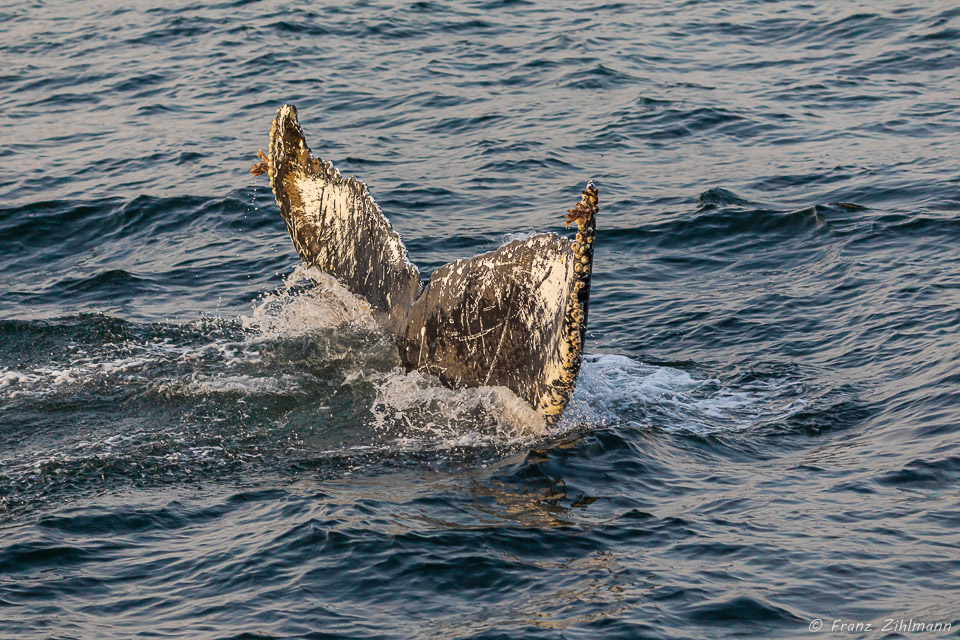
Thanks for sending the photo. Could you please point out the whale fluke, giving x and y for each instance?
(337, 227)
(514, 317)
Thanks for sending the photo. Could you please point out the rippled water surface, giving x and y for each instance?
(197, 442)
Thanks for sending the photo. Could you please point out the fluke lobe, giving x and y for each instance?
(515, 317)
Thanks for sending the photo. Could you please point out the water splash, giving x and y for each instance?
(308, 300)
(414, 407)
(615, 388)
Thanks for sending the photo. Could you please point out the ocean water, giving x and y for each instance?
(197, 442)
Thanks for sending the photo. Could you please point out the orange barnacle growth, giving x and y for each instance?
(584, 211)
(261, 167)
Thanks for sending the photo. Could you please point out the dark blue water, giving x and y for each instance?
(195, 442)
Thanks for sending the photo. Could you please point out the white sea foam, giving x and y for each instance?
(244, 385)
(414, 407)
(614, 388)
(10, 378)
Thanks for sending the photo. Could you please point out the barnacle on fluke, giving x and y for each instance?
(515, 317)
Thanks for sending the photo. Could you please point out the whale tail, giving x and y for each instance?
(514, 317)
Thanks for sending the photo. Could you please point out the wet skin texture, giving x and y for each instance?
(515, 317)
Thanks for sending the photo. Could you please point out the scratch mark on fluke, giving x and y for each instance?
(534, 293)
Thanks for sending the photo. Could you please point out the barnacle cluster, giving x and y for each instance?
(584, 211)
(575, 320)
